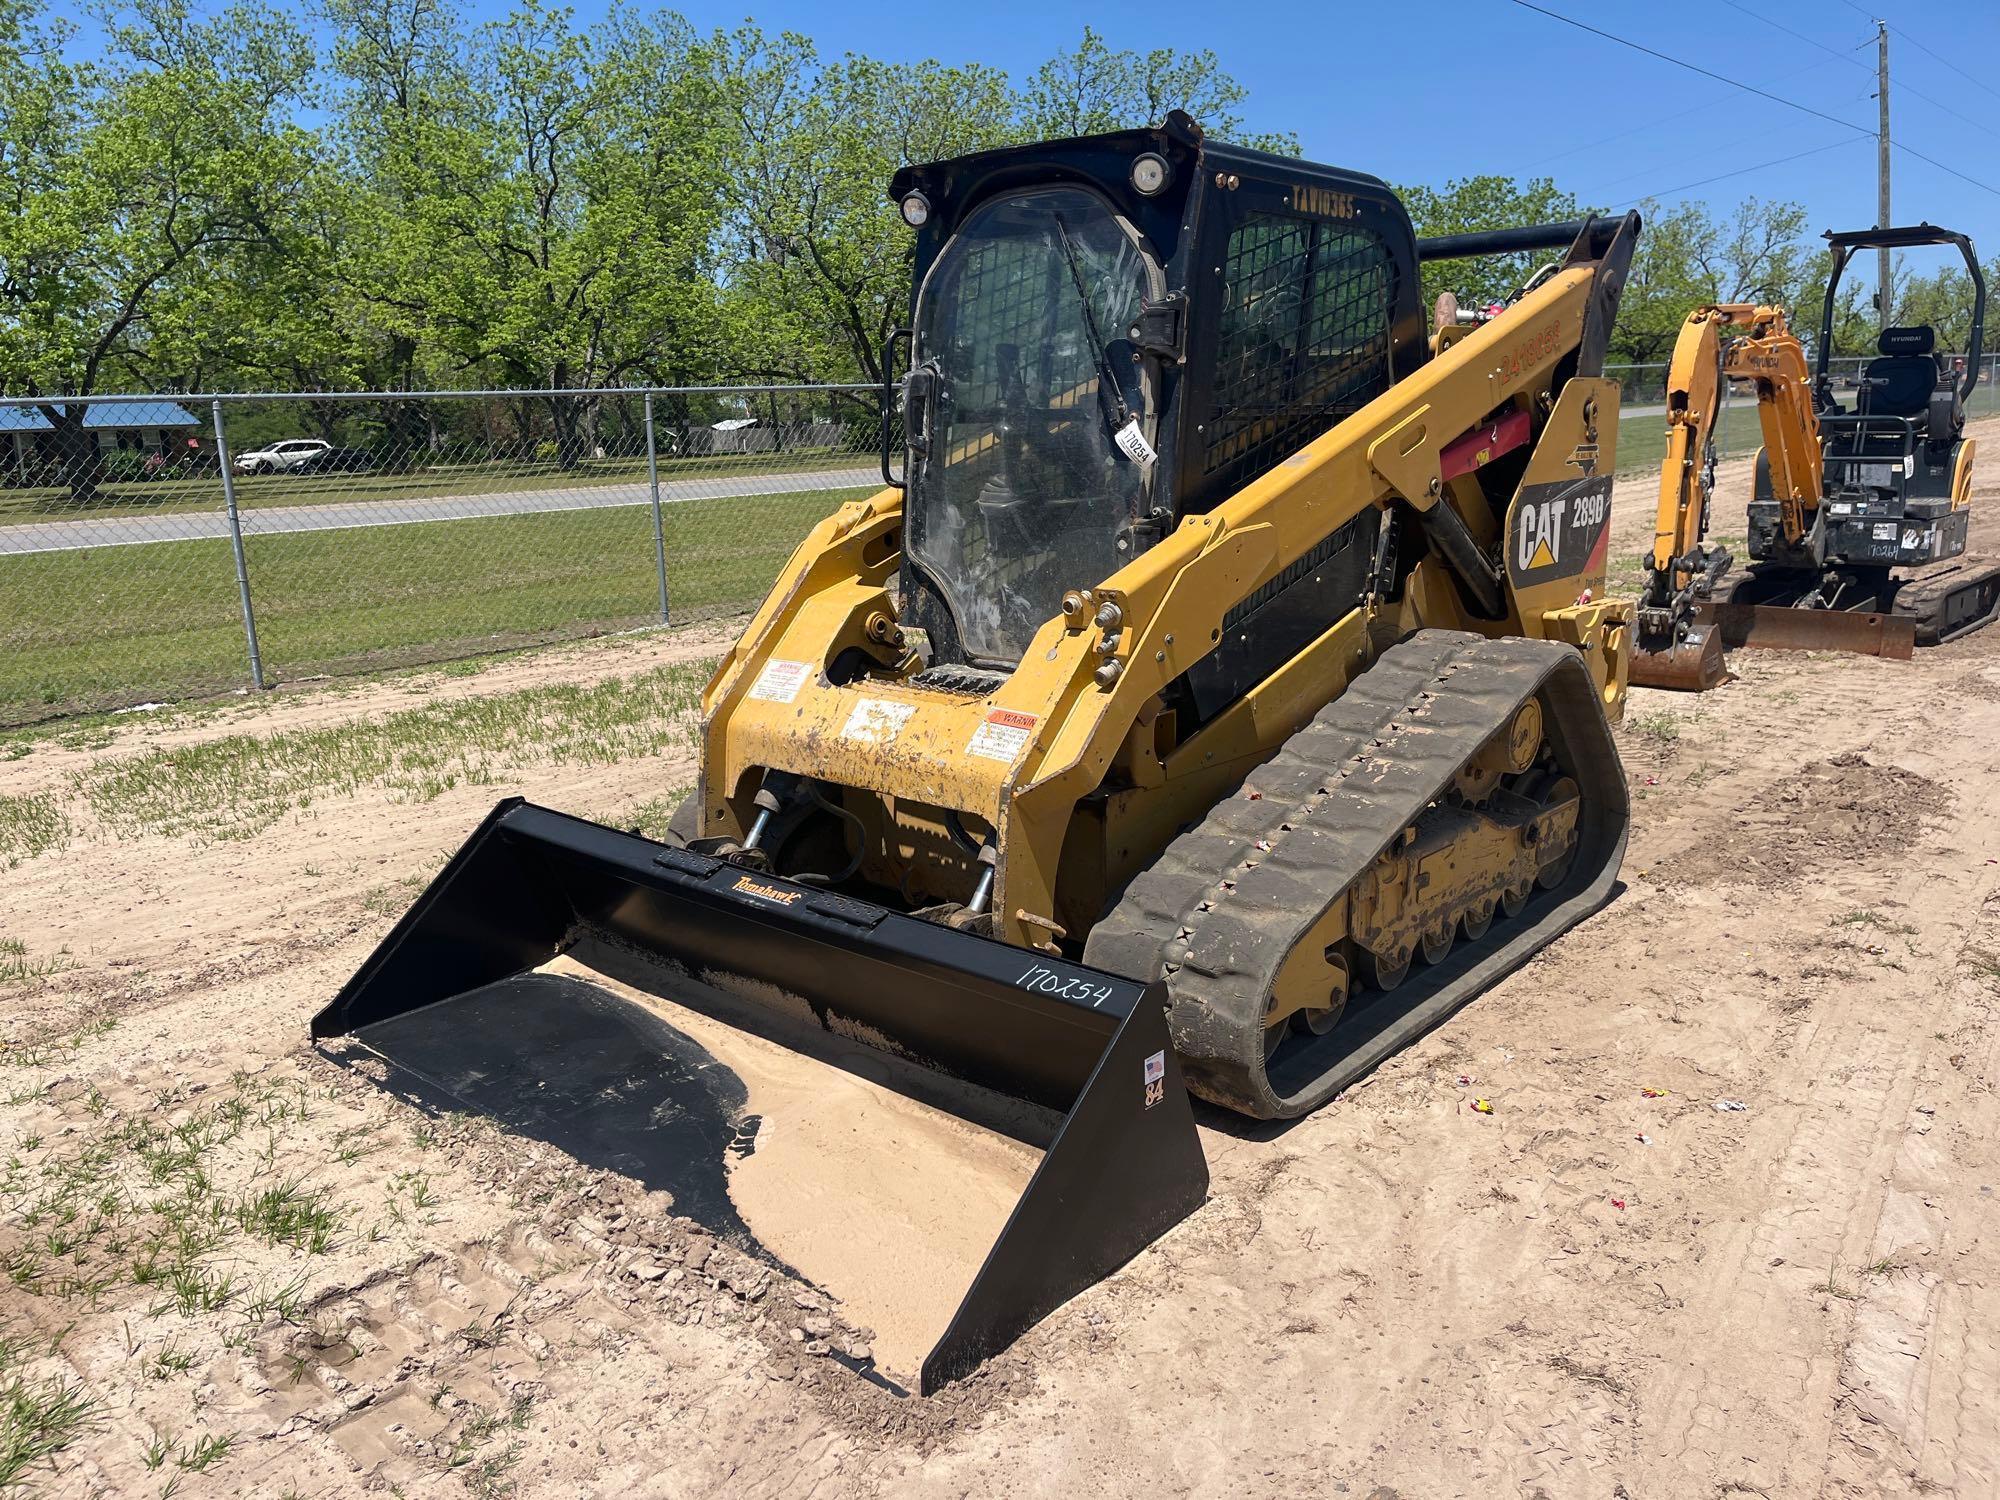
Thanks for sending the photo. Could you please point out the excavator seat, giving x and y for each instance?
(1901, 382)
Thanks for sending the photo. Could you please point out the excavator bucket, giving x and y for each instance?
(1123, 1166)
(1774, 627)
(1692, 665)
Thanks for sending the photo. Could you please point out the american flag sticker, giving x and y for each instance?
(1156, 1075)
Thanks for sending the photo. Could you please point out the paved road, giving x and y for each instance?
(137, 529)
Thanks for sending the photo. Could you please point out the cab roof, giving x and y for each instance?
(1178, 138)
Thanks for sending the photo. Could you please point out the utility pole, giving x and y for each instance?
(1882, 219)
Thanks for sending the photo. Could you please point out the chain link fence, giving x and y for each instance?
(159, 549)
(154, 550)
(1642, 412)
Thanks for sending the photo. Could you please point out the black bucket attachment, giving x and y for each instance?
(1124, 1166)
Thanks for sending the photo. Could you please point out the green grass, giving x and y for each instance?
(92, 629)
(17, 965)
(126, 499)
(289, 1213)
(140, 1201)
(38, 1418)
(652, 816)
(168, 1361)
(29, 826)
(1660, 726)
(237, 785)
(1874, 919)
(1642, 440)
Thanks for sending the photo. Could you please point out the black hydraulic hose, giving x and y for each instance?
(1446, 531)
(955, 826)
(860, 832)
(1501, 241)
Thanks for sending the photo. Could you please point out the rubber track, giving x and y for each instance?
(1268, 860)
(1929, 590)
(1921, 596)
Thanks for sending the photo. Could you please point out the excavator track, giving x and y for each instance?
(1928, 606)
(1950, 599)
(1232, 898)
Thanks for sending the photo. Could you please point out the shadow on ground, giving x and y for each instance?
(602, 1080)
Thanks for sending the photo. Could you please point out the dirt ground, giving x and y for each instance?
(262, 1269)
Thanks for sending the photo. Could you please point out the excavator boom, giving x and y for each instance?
(1841, 499)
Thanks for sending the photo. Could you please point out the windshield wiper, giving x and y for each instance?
(1107, 382)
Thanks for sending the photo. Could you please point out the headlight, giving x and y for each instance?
(1150, 173)
(916, 210)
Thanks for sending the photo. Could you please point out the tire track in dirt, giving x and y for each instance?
(1857, 1070)
(1921, 1371)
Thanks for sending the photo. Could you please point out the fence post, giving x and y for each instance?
(236, 546)
(659, 531)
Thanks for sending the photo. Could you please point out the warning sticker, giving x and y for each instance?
(1002, 735)
(780, 681)
(876, 721)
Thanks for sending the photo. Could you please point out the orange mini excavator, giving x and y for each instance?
(1858, 523)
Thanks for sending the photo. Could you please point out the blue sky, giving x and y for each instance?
(1442, 88)
(1426, 90)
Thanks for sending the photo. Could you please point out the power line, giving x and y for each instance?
(1724, 176)
(1904, 87)
(1793, 104)
(1800, 35)
(1705, 106)
(1913, 151)
(1679, 62)
(1902, 84)
(1946, 61)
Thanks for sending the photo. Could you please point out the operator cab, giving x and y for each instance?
(1111, 333)
(1892, 459)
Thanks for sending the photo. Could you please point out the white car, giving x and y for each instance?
(281, 458)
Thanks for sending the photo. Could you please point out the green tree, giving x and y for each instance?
(1096, 88)
(818, 273)
(147, 189)
(819, 270)
(547, 201)
(1940, 297)
(1469, 204)
(1687, 256)
(1666, 284)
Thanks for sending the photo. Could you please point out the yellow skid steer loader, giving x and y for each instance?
(1215, 697)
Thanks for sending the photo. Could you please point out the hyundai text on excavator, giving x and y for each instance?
(1859, 516)
(1218, 689)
